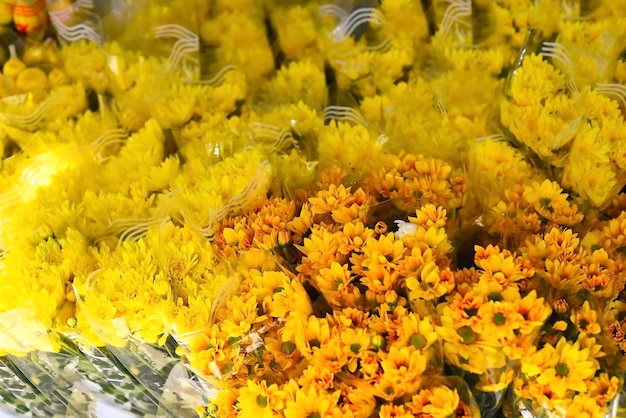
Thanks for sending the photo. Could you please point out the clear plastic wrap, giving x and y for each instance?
(381, 208)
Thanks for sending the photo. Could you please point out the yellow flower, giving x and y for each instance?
(384, 252)
(308, 334)
(352, 147)
(500, 265)
(585, 406)
(432, 237)
(536, 79)
(394, 411)
(412, 181)
(312, 404)
(320, 250)
(598, 186)
(258, 399)
(284, 353)
(209, 346)
(280, 294)
(432, 284)
(296, 31)
(499, 320)
(321, 378)
(545, 196)
(332, 356)
(560, 326)
(238, 316)
(403, 366)
(299, 81)
(416, 331)
(585, 319)
(241, 42)
(564, 274)
(600, 275)
(438, 402)
(556, 244)
(343, 205)
(566, 367)
(224, 404)
(336, 285)
(355, 342)
(498, 381)
(429, 216)
(603, 388)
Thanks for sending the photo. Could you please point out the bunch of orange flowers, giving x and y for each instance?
(335, 314)
(354, 301)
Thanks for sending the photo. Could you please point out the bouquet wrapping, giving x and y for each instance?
(313, 209)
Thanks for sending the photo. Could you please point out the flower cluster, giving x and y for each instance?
(337, 303)
(568, 121)
(321, 209)
(488, 324)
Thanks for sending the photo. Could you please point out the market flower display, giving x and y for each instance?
(313, 209)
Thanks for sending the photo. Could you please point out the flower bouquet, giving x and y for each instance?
(313, 209)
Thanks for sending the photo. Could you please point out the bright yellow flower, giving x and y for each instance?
(332, 356)
(416, 331)
(534, 310)
(412, 181)
(308, 334)
(430, 216)
(299, 81)
(355, 342)
(545, 196)
(224, 404)
(556, 244)
(321, 379)
(499, 319)
(353, 147)
(284, 354)
(603, 388)
(563, 274)
(585, 319)
(403, 365)
(598, 186)
(384, 252)
(585, 406)
(260, 400)
(296, 31)
(432, 284)
(320, 250)
(536, 79)
(238, 316)
(312, 403)
(343, 205)
(563, 368)
(501, 265)
(438, 402)
(335, 283)
(394, 411)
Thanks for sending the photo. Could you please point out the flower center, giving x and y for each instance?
(495, 297)
(261, 401)
(418, 341)
(289, 348)
(467, 334)
(499, 318)
(561, 369)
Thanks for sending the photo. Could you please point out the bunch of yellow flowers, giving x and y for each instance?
(393, 208)
(333, 316)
